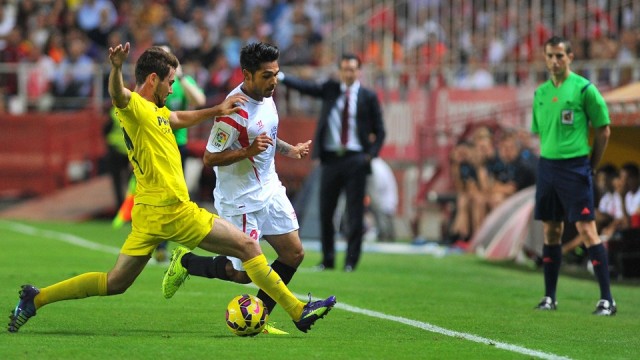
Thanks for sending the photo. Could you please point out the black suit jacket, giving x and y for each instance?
(368, 114)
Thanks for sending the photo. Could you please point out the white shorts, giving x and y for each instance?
(277, 218)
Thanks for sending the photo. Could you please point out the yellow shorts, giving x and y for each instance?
(184, 223)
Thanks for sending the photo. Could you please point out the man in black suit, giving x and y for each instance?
(346, 139)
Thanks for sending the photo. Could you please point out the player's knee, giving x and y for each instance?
(299, 256)
(553, 236)
(588, 231)
(292, 258)
(247, 250)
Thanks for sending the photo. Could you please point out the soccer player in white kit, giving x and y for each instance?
(248, 193)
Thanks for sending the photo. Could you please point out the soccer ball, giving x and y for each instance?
(246, 315)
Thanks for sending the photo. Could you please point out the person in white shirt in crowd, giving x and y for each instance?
(630, 178)
(382, 189)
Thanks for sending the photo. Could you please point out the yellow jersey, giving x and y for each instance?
(153, 153)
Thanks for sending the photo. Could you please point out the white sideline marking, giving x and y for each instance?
(64, 237)
(76, 240)
(452, 333)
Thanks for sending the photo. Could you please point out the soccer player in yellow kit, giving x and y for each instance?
(163, 211)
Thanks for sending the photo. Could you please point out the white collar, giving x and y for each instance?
(353, 88)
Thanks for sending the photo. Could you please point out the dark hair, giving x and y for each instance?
(255, 54)
(154, 60)
(350, 56)
(632, 170)
(609, 170)
(557, 40)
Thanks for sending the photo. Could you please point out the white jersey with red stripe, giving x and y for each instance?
(246, 185)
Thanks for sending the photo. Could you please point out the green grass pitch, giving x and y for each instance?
(392, 307)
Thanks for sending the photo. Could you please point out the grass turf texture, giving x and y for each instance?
(460, 293)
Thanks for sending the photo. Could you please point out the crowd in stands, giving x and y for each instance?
(417, 39)
(66, 38)
(473, 40)
(492, 163)
(485, 172)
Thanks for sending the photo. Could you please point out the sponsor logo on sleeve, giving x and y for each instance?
(220, 139)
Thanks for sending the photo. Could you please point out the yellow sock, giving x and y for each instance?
(79, 287)
(268, 280)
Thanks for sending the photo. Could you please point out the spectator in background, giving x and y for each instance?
(16, 49)
(8, 17)
(528, 148)
(465, 179)
(604, 48)
(263, 30)
(215, 16)
(74, 77)
(231, 44)
(222, 78)
(511, 174)
(172, 39)
(189, 31)
(143, 38)
(472, 165)
(382, 50)
(350, 133)
(38, 29)
(630, 192)
(39, 79)
(297, 53)
(295, 13)
(382, 190)
(426, 25)
(181, 10)
(147, 13)
(207, 52)
(433, 54)
(54, 47)
(610, 211)
(247, 33)
(485, 160)
(27, 13)
(97, 18)
(626, 56)
(475, 75)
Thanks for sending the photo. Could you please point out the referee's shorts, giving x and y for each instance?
(564, 190)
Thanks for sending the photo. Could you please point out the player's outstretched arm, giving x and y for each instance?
(120, 95)
(299, 151)
(188, 118)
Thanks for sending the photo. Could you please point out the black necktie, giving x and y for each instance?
(345, 120)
